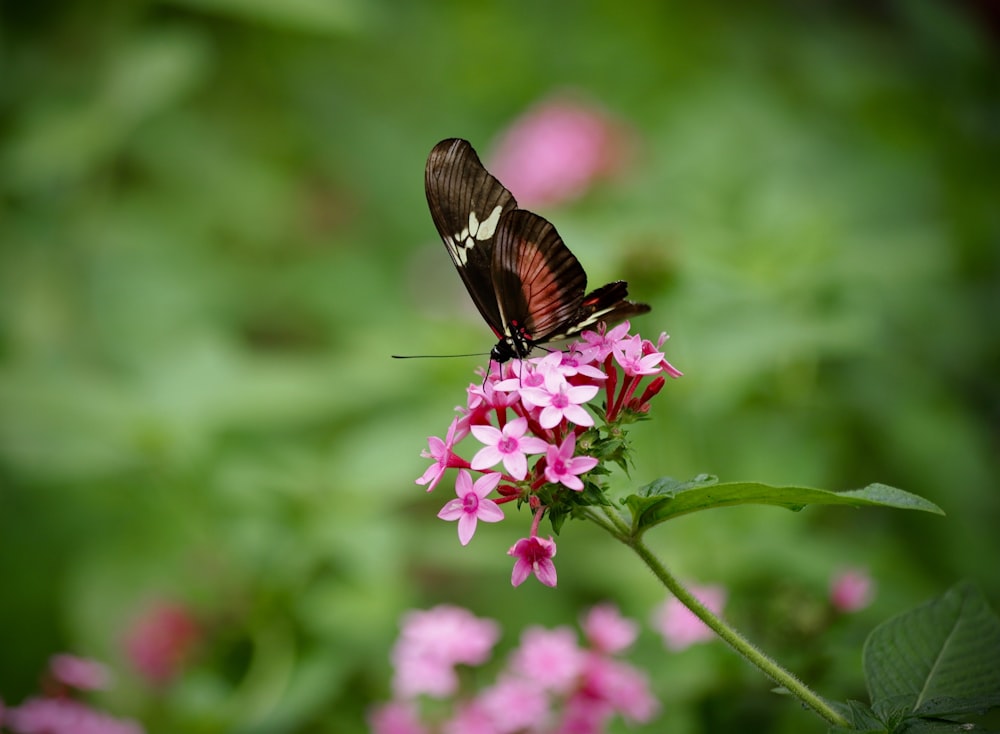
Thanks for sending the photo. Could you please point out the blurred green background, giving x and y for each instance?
(213, 234)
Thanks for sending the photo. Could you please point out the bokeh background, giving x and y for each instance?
(213, 235)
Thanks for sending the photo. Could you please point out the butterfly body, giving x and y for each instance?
(529, 288)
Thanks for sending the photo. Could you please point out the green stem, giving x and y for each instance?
(744, 647)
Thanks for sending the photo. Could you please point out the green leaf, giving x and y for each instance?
(667, 498)
(862, 719)
(938, 659)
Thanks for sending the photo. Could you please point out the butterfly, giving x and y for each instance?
(525, 282)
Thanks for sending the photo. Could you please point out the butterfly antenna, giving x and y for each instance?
(438, 356)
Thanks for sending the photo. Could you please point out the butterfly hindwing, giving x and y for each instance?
(466, 204)
(608, 304)
(539, 283)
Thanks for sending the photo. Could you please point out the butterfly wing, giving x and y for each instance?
(608, 304)
(539, 283)
(467, 204)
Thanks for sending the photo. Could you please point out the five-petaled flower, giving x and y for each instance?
(472, 504)
(509, 445)
(534, 556)
(561, 467)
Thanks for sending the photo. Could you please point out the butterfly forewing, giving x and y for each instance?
(523, 279)
(539, 283)
(466, 203)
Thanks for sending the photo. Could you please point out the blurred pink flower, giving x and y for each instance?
(551, 659)
(607, 630)
(396, 717)
(430, 645)
(80, 673)
(679, 627)
(556, 150)
(160, 640)
(513, 705)
(622, 686)
(64, 716)
(851, 589)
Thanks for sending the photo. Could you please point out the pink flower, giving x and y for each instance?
(441, 452)
(625, 688)
(64, 716)
(584, 714)
(561, 401)
(561, 467)
(80, 673)
(430, 645)
(514, 704)
(160, 640)
(604, 342)
(851, 590)
(556, 151)
(534, 556)
(635, 359)
(472, 504)
(551, 659)
(679, 626)
(509, 445)
(469, 718)
(396, 717)
(607, 630)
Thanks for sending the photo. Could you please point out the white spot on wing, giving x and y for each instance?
(461, 243)
(489, 225)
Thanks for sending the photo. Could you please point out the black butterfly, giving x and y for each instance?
(523, 279)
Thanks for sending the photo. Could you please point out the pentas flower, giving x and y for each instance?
(534, 556)
(607, 630)
(562, 467)
(557, 150)
(472, 504)
(851, 589)
(679, 626)
(550, 684)
(442, 454)
(432, 643)
(508, 445)
(543, 427)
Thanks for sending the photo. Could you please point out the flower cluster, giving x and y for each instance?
(550, 683)
(57, 712)
(539, 444)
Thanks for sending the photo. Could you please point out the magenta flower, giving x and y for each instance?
(679, 626)
(561, 401)
(551, 659)
(472, 505)
(441, 452)
(534, 556)
(160, 640)
(509, 445)
(851, 590)
(561, 467)
(607, 630)
(556, 151)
